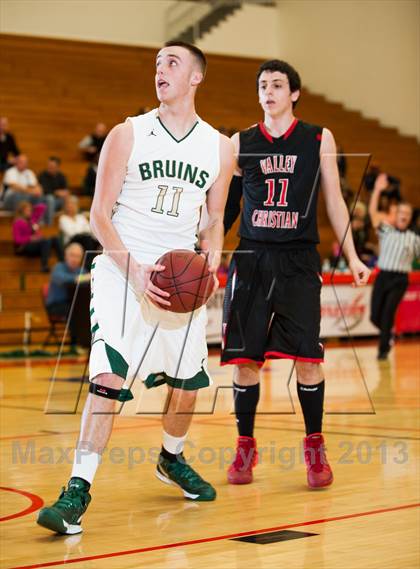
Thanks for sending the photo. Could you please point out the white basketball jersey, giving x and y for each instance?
(165, 187)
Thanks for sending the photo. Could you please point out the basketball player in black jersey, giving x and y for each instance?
(272, 302)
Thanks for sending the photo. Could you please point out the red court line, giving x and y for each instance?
(36, 503)
(215, 538)
(203, 422)
(328, 424)
(349, 426)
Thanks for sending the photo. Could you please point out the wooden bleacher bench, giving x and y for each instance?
(109, 83)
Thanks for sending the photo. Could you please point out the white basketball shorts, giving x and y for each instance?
(134, 339)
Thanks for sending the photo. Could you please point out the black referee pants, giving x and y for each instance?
(388, 290)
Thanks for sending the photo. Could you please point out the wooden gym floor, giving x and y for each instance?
(368, 518)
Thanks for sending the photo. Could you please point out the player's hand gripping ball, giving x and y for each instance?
(186, 278)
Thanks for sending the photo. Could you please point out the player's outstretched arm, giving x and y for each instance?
(211, 238)
(112, 170)
(337, 209)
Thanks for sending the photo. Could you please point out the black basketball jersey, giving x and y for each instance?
(280, 184)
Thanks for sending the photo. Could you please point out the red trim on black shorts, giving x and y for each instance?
(274, 355)
(237, 361)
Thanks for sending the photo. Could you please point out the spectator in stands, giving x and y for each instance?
(89, 180)
(92, 143)
(341, 161)
(75, 228)
(8, 148)
(54, 185)
(398, 247)
(416, 220)
(21, 184)
(65, 273)
(27, 237)
(347, 192)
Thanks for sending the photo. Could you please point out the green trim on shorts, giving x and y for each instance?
(198, 381)
(125, 395)
(94, 328)
(93, 265)
(92, 310)
(118, 364)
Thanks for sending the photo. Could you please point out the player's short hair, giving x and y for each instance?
(55, 159)
(194, 50)
(283, 67)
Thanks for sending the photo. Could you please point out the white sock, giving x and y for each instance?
(85, 464)
(174, 445)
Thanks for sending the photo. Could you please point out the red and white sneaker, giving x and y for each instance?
(240, 471)
(319, 472)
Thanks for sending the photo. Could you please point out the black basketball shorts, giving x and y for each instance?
(272, 306)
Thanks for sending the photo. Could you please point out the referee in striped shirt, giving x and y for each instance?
(398, 247)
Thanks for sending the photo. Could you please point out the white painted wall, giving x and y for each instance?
(363, 53)
(131, 22)
(252, 31)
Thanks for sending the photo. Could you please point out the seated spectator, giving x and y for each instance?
(71, 222)
(27, 238)
(75, 228)
(66, 272)
(89, 180)
(20, 185)
(54, 185)
(92, 143)
(8, 147)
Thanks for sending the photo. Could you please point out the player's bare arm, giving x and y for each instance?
(377, 217)
(212, 236)
(112, 169)
(337, 209)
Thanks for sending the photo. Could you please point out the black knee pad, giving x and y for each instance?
(110, 393)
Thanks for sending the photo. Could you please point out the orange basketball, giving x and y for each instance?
(186, 278)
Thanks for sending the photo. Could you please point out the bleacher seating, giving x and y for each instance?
(54, 91)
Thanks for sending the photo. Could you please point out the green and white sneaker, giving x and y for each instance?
(182, 475)
(65, 515)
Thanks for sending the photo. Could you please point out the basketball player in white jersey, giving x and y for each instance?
(156, 172)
